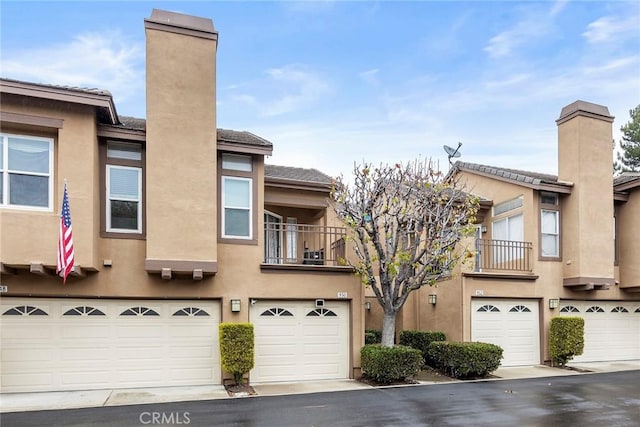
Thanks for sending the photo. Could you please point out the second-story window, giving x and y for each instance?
(123, 188)
(237, 197)
(549, 225)
(508, 230)
(26, 165)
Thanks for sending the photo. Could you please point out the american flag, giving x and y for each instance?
(65, 241)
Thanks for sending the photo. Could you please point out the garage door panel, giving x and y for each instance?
(321, 350)
(612, 332)
(311, 343)
(510, 324)
(79, 378)
(81, 351)
(33, 379)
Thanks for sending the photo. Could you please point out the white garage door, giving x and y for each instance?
(511, 324)
(71, 344)
(294, 340)
(611, 329)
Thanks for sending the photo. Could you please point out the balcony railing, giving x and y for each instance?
(286, 243)
(503, 255)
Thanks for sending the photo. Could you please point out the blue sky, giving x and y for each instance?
(333, 82)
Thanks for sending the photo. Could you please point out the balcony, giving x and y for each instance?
(288, 244)
(503, 256)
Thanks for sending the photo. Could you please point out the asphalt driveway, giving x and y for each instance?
(607, 399)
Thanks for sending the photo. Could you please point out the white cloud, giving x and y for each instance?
(526, 31)
(558, 7)
(105, 61)
(283, 90)
(610, 29)
(371, 77)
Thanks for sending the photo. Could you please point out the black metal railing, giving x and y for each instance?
(286, 243)
(503, 255)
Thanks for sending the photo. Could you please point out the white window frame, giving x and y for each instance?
(556, 234)
(237, 162)
(273, 233)
(5, 172)
(108, 200)
(224, 207)
(507, 254)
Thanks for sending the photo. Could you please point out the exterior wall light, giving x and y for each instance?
(553, 303)
(367, 305)
(235, 305)
(433, 299)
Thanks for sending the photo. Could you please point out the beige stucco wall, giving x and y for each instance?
(584, 158)
(627, 218)
(181, 147)
(31, 236)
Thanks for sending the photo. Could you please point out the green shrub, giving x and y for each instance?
(420, 340)
(388, 364)
(566, 339)
(465, 359)
(372, 336)
(236, 349)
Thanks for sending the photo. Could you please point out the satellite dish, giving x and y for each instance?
(453, 152)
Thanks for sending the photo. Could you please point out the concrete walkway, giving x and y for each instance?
(19, 402)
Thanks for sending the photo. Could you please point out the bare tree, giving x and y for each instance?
(406, 223)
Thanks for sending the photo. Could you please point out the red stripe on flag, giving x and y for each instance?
(66, 256)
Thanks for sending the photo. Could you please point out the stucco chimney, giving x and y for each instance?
(181, 139)
(585, 158)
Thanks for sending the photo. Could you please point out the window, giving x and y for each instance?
(488, 308)
(507, 206)
(237, 194)
(26, 165)
(550, 244)
(123, 188)
(236, 203)
(276, 311)
(510, 228)
(272, 238)
(505, 231)
(321, 312)
(549, 225)
(236, 162)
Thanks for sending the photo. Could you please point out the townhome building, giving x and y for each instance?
(546, 245)
(177, 226)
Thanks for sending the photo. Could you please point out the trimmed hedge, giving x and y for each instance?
(465, 359)
(372, 336)
(566, 339)
(420, 340)
(236, 349)
(387, 364)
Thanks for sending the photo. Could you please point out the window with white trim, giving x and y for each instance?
(504, 231)
(549, 225)
(123, 185)
(237, 207)
(26, 171)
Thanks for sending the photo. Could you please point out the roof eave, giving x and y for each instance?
(297, 184)
(536, 184)
(98, 100)
(239, 147)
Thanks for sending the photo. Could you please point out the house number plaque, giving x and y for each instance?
(342, 295)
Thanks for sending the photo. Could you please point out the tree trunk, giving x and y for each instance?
(388, 329)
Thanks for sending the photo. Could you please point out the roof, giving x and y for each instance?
(99, 98)
(626, 181)
(228, 137)
(535, 180)
(242, 137)
(288, 173)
